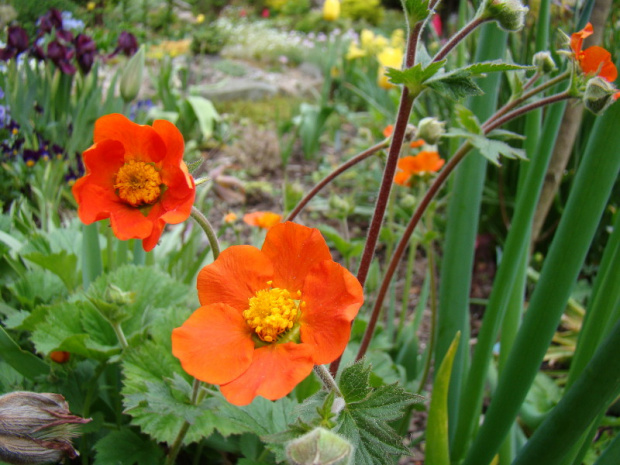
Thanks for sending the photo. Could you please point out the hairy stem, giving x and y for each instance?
(327, 379)
(458, 37)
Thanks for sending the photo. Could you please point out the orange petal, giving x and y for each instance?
(102, 161)
(293, 250)
(417, 143)
(597, 60)
(265, 220)
(129, 223)
(214, 344)
(175, 145)
(387, 132)
(234, 277)
(402, 178)
(141, 142)
(158, 225)
(275, 370)
(333, 296)
(429, 161)
(576, 39)
(94, 202)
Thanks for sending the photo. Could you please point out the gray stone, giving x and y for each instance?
(236, 89)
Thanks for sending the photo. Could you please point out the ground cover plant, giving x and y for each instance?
(404, 250)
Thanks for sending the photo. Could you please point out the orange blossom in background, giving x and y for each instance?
(593, 60)
(135, 175)
(268, 316)
(423, 162)
(264, 220)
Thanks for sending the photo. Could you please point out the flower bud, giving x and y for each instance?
(331, 10)
(431, 130)
(36, 428)
(340, 205)
(599, 94)
(131, 79)
(509, 14)
(319, 446)
(544, 63)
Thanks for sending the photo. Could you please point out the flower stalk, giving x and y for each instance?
(206, 226)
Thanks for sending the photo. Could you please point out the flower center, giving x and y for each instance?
(272, 311)
(138, 183)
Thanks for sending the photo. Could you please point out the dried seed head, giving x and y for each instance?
(36, 428)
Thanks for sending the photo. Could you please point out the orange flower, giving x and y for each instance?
(60, 356)
(230, 217)
(423, 162)
(387, 132)
(135, 175)
(268, 316)
(417, 143)
(263, 220)
(593, 60)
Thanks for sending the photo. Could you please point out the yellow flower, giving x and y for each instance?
(200, 18)
(90, 6)
(397, 40)
(367, 38)
(380, 42)
(390, 57)
(331, 10)
(230, 218)
(355, 52)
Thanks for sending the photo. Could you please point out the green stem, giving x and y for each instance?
(118, 330)
(204, 223)
(196, 398)
(459, 36)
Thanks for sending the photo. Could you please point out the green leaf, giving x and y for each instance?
(364, 419)
(62, 264)
(206, 114)
(467, 120)
(492, 67)
(455, 85)
(437, 447)
(124, 447)
(26, 363)
(416, 10)
(489, 148)
(414, 77)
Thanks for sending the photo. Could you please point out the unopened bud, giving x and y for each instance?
(319, 446)
(509, 14)
(544, 63)
(599, 94)
(131, 78)
(36, 428)
(431, 130)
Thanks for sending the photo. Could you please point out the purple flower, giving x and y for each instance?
(61, 56)
(50, 21)
(127, 44)
(17, 42)
(85, 49)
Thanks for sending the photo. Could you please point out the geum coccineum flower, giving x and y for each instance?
(264, 220)
(135, 175)
(268, 316)
(423, 162)
(593, 60)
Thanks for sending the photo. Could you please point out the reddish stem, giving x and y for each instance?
(334, 174)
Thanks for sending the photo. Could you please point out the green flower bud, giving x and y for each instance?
(599, 94)
(509, 14)
(319, 446)
(36, 428)
(131, 78)
(340, 206)
(544, 63)
(431, 130)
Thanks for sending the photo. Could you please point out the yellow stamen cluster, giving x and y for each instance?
(138, 183)
(271, 312)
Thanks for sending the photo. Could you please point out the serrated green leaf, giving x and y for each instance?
(467, 120)
(437, 446)
(492, 149)
(124, 447)
(455, 85)
(416, 76)
(364, 419)
(62, 264)
(38, 287)
(503, 134)
(493, 67)
(416, 10)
